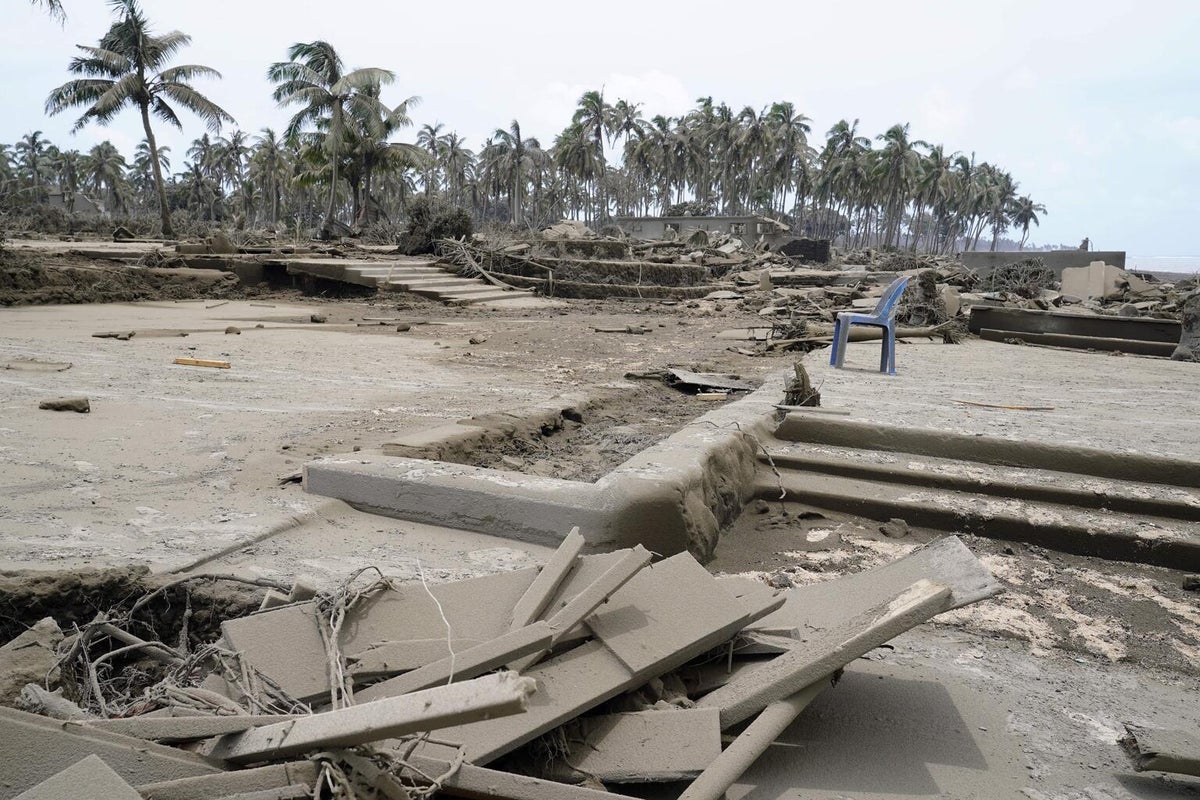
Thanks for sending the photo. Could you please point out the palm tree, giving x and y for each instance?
(141, 172)
(30, 154)
(66, 166)
(429, 138)
(315, 79)
(373, 124)
(268, 164)
(129, 68)
(595, 117)
(104, 171)
(515, 159)
(53, 7)
(1025, 213)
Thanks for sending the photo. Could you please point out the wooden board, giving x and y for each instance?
(89, 777)
(820, 605)
(1163, 750)
(549, 578)
(391, 658)
(465, 665)
(824, 652)
(648, 746)
(203, 362)
(183, 729)
(662, 609)
(482, 698)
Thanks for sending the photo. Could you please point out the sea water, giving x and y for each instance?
(1165, 266)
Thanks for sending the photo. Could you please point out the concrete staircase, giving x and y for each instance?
(427, 279)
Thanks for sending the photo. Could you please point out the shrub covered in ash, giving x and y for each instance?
(1025, 278)
(430, 219)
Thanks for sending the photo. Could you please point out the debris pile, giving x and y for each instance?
(592, 672)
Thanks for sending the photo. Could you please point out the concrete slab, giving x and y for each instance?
(672, 496)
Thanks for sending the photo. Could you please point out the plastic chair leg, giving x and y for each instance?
(843, 341)
(833, 350)
(890, 335)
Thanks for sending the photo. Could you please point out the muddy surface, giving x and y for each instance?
(615, 429)
(1100, 611)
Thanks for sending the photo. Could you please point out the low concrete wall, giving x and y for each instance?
(984, 261)
(673, 496)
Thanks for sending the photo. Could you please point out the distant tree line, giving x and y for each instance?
(337, 161)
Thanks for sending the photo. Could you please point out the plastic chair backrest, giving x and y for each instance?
(886, 307)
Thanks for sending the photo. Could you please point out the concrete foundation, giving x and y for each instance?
(674, 496)
(984, 261)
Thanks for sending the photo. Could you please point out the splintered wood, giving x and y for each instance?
(629, 673)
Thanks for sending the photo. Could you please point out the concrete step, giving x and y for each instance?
(1065, 527)
(494, 296)
(455, 290)
(423, 282)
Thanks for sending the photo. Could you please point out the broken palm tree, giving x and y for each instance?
(282, 702)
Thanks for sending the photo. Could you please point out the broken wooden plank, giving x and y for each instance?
(294, 792)
(1163, 750)
(723, 771)
(122, 335)
(185, 729)
(661, 609)
(824, 652)
(391, 658)
(583, 604)
(216, 363)
(479, 783)
(89, 777)
(818, 606)
(242, 781)
(482, 698)
(583, 678)
(32, 748)
(286, 645)
(374, 776)
(551, 576)
(648, 746)
(465, 665)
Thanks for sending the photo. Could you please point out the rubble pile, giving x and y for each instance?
(571, 680)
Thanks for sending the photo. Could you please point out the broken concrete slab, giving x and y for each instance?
(483, 698)
(824, 652)
(243, 781)
(88, 778)
(29, 657)
(647, 746)
(33, 748)
(1188, 348)
(1163, 750)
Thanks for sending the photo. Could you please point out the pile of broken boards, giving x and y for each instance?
(566, 682)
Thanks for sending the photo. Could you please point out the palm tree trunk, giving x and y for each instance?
(167, 231)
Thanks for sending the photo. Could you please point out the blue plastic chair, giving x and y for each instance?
(884, 316)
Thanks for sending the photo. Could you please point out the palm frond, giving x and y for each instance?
(208, 111)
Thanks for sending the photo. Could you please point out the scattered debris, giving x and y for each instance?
(79, 405)
(344, 689)
(1188, 348)
(1162, 750)
(33, 365)
(124, 336)
(1003, 407)
(233, 329)
(895, 528)
(1191, 583)
(317, 318)
(215, 363)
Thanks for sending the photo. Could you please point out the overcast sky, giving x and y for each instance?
(1094, 107)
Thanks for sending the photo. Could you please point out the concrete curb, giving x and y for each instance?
(673, 496)
(799, 427)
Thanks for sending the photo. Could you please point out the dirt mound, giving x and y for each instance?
(24, 281)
